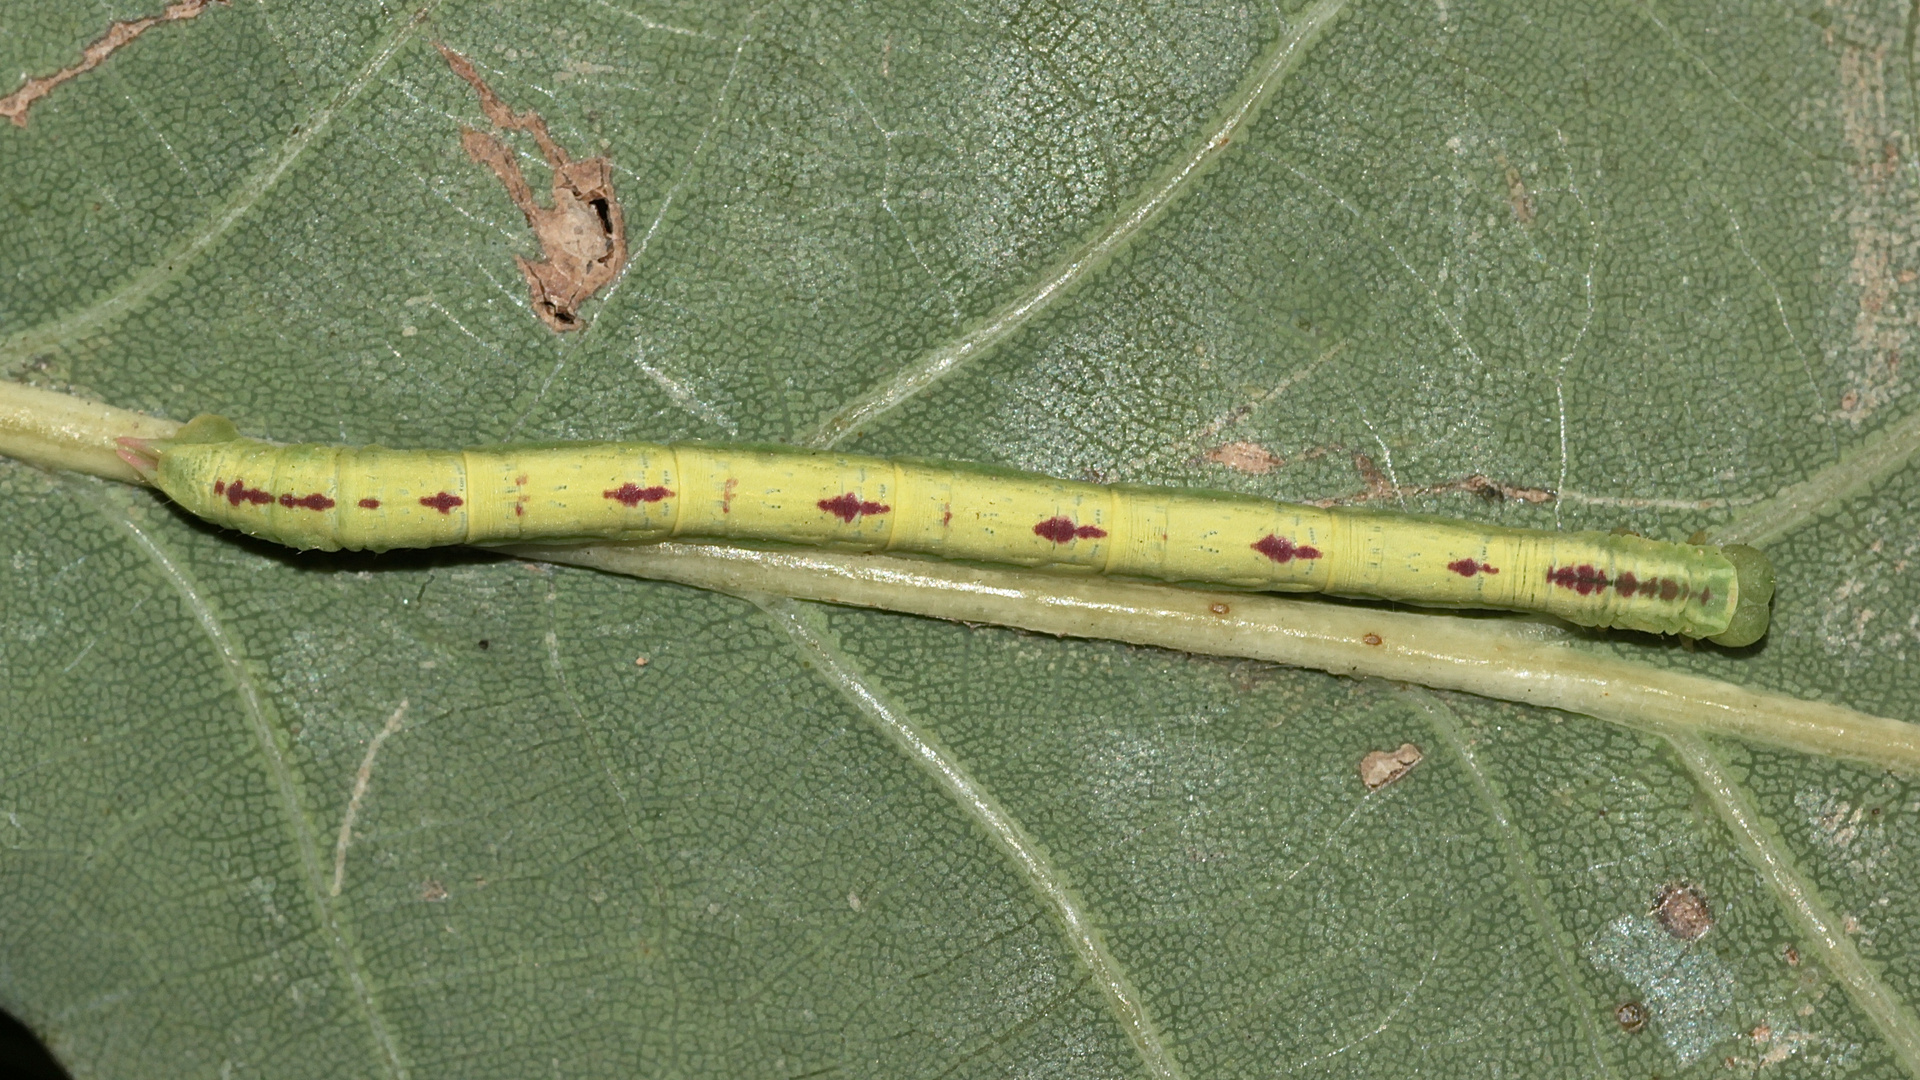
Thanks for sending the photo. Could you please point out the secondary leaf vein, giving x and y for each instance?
(1008, 834)
(1280, 61)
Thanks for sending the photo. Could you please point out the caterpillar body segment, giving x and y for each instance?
(371, 498)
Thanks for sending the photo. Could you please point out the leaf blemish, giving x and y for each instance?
(15, 105)
(1681, 910)
(583, 234)
(1383, 767)
(1250, 458)
(1382, 489)
(1517, 194)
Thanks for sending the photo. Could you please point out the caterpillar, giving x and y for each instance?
(371, 498)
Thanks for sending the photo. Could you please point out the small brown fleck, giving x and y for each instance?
(485, 644)
(1370, 639)
(432, 892)
(1792, 956)
(641, 661)
(1682, 911)
(1517, 194)
(1220, 609)
(1631, 1016)
(584, 234)
(1383, 767)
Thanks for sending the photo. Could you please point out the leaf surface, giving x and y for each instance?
(1633, 266)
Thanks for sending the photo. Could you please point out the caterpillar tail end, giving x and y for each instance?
(141, 456)
(144, 456)
(1754, 607)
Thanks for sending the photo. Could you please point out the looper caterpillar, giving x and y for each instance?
(372, 498)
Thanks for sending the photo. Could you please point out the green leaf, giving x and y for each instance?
(268, 814)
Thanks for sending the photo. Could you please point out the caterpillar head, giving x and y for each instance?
(1755, 597)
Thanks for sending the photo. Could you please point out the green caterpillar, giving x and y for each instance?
(371, 498)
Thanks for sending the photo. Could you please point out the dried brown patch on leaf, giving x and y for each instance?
(1381, 489)
(1383, 767)
(1251, 457)
(1681, 910)
(1246, 457)
(15, 105)
(583, 234)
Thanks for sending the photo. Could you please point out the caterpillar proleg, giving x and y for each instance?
(371, 498)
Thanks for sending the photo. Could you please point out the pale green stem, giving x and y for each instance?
(59, 431)
(1509, 659)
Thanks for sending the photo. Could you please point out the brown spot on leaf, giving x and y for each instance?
(15, 105)
(1682, 910)
(1246, 457)
(1631, 1016)
(1383, 767)
(1220, 609)
(1370, 473)
(432, 892)
(1517, 194)
(1370, 638)
(583, 235)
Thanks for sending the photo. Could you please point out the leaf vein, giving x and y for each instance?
(1007, 832)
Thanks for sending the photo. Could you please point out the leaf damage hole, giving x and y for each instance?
(119, 34)
(583, 235)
